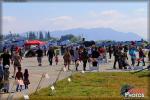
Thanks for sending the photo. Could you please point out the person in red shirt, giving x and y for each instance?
(17, 49)
(101, 51)
(141, 57)
(19, 76)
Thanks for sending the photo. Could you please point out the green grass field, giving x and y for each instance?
(94, 85)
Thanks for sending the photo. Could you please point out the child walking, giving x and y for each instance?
(19, 79)
(56, 59)
(26, 78)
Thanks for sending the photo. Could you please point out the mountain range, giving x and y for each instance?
(98, 34)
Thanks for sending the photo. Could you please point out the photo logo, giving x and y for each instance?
(130, 91)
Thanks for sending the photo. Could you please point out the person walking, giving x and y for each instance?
(123, 61)
(84, 58)
(56, 59)
(89, 56)
(39, 53)
(45, 49)
(72, 54)
(26, 78)
(19, 79)
(116, 56)
(6, 58)
(110, 51)
(50, 55)
(105, 54)
(141, 57)
(95, 55)
(12, 49)
(125, 51)
(16, 62)
(120, 58)
(76, 58)
(67, 58)
(132, 51)
(21, 53)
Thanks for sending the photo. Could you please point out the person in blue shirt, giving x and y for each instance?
(133, 55)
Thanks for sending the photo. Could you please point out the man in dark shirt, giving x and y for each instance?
(84, 55)
(39, 53)
(6, 57)
(110, 51)
(95, 55)
(72, 54)
(12, 49)
(50, 55)
(117, 53)
(126, 50)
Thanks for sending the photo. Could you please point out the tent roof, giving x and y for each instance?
(34, 42)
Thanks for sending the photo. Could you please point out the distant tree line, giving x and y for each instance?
(46, 36)
(70, 37)
(38, 35)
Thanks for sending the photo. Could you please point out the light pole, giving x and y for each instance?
(148, 24)
(1, 35)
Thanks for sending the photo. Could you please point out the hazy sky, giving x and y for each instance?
(121, 16)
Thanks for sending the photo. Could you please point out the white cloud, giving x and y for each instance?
(61, 18)
(8, 18)
(8, 23)
(132, 22)
(57, 23)
(140, 10)
(93, 13)
(16, 25)
(107, 14)
(112, 14)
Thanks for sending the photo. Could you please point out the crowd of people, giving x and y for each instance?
(77, 55)
(95, 55)
(6, 60)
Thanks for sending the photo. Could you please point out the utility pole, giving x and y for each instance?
(1, 35)
(148, 23)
